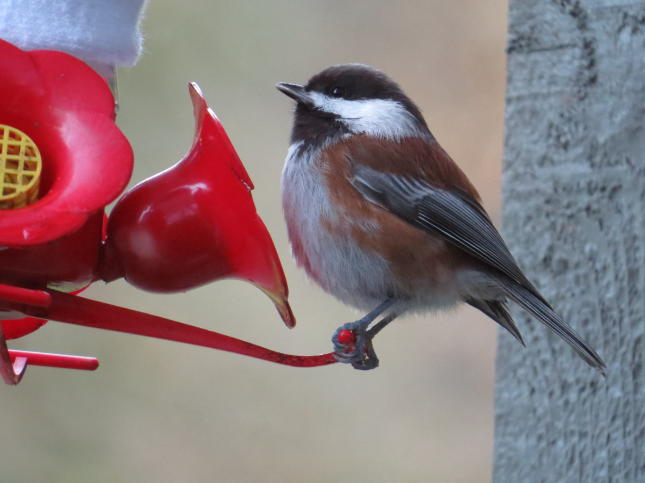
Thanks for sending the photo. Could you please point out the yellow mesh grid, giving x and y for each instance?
(20, 167)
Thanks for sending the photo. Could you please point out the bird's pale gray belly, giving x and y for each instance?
(337, 264)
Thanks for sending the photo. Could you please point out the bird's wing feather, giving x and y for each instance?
(451, 213)
(461, 220)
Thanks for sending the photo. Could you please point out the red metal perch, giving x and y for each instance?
(73, 309)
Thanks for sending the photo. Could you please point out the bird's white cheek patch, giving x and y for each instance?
(376, 117)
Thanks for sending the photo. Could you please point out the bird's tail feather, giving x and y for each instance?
(498, 311)
(541, 311)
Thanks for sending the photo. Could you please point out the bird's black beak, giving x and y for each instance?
(296, 92)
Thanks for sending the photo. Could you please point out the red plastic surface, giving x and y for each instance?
(195, 223)
(68, 111)
(69, 261)
(11, 369)
(61, 361)
(24, 296)
(90, 313)
(77, 310)
(16, 328)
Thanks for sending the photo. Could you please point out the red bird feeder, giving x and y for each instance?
(62, 160)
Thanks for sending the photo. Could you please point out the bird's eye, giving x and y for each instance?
(336, 91)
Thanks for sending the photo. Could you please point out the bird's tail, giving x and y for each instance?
(544, 313)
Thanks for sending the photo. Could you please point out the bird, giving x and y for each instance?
(381, 217)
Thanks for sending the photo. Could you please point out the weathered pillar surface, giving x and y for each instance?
(574, 216)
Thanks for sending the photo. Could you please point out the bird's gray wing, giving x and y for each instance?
(454, 215)
(464, 223)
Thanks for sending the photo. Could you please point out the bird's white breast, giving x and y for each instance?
(355, 276)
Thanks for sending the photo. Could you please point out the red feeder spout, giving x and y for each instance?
(195, 223)
(77, 310)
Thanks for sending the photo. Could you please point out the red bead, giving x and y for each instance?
(346, 337)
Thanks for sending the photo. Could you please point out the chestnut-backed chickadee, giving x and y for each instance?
(381, 217)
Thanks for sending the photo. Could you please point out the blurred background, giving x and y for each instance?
(157, 411)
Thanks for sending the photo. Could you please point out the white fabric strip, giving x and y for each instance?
(100, 32)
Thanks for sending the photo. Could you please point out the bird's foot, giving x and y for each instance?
(353, 345)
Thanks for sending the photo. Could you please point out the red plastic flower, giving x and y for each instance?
(195, 223)
(67, 110)
(64, 110)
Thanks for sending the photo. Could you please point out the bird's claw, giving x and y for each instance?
(359, 352)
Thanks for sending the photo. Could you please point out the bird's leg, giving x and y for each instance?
(381, 324)
(369, 359)
(360, 352)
